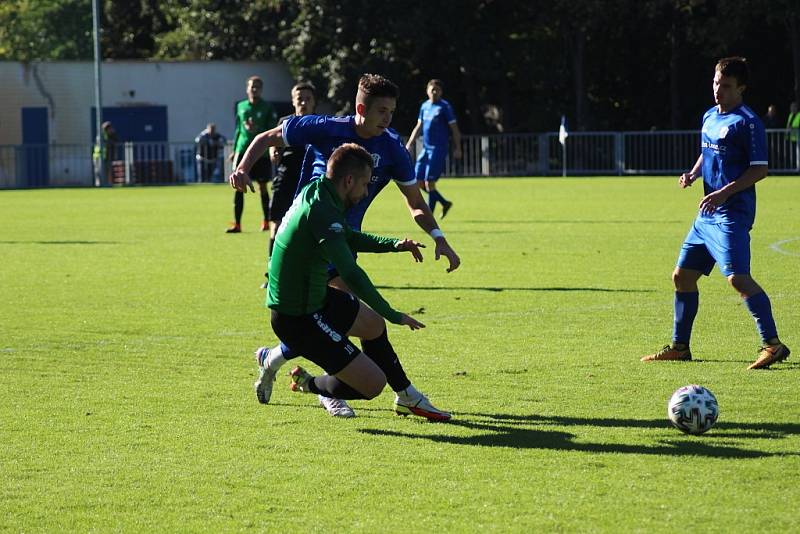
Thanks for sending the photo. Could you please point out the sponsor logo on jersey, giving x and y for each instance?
(376, 160)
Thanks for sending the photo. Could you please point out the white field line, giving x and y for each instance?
(778, 247)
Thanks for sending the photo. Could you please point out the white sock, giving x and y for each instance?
(275, 359)
(410, 393)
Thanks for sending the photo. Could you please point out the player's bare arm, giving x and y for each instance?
(688, 178)
(239, 178)
(413, 136)
(749, 177)
(422, 215)
(456, 137)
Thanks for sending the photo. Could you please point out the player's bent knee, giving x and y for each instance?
(744, 284)
(677, 277)
(685, 280)
(374, 387)
(363, 375)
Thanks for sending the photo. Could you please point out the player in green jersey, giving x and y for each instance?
(318, 319)
(253, 116)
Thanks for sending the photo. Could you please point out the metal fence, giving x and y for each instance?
(25, 166)
(586, 153)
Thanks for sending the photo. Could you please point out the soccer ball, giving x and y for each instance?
(693, 409)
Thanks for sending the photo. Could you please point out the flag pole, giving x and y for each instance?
(562, 138)
(99, 179)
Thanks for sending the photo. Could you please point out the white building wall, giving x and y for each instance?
(194, 92)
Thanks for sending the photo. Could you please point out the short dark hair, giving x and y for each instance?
(346, 160)
(435, 81)
(735, 67)
(305, 85)
(255, 79)
(375, 86)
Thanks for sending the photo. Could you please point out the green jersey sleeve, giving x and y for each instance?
(331, 232)
(340, 255)
(364, 242)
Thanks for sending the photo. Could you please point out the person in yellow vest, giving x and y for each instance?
(792, 127)
(109, 152)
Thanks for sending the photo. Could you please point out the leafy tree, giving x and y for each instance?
(223, 29)
(45, 29)
(618, 64)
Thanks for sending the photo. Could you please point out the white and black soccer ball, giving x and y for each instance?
(693, 409)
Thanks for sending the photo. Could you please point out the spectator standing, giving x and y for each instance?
(110, 140)
(208, 146)
(771, 120)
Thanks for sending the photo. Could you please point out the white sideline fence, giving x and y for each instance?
(587, 154)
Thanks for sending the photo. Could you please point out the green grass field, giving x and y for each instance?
(128, 320)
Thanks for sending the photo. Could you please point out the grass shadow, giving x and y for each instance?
(515, 431)
(501, 289)
(73, 242)
(563, 221)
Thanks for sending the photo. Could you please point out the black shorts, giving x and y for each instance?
(321, 336)
(284, 186)
(261, 171)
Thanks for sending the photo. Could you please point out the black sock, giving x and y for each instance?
(330, 386)
(381, 352)
(238, 206)
(265, 203)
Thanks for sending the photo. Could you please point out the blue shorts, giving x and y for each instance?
(727, 244)
(430, 164)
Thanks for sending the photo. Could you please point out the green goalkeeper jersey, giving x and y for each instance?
(312, 235)
(263, 118)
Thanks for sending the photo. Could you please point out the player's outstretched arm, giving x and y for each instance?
(422, 215)
(409, 245)
(239, 178)
(410, 322)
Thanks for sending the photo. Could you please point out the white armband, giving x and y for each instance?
(436, 232)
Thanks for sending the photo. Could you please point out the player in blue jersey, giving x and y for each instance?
(733, 158)
(376, 101)
(437, 122)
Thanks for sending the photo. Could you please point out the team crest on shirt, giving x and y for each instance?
(723, 132)
(376, 160)
(336, 228)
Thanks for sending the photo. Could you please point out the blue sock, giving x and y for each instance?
(432, 199)
(439, 198)
(686, 305)
(761, 310)
(287, 352)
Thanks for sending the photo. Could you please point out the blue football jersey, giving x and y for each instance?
(324, 134)
(731, 142)
(436, 119)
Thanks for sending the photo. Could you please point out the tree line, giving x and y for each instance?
(506, 64)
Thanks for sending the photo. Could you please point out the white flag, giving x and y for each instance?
(562, 131)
